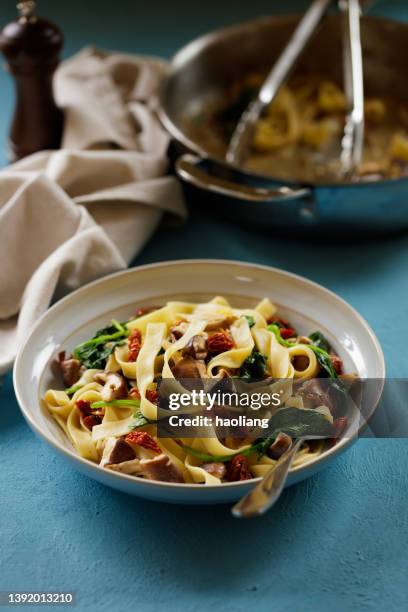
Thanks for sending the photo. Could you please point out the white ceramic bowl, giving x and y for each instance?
(75, 318)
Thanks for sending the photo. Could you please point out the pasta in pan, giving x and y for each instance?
(109, 408)
(299, 135)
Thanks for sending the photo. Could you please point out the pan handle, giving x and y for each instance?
(188, 168)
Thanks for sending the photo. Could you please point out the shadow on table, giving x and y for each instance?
(329, 260)
(203, 548)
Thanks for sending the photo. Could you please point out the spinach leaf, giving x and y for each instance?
(73, 389)
(121, 403)
(93, 356)
(278, 324)
(324, 361)
(318, 339)
(254, 366)
(251, 320)
(140, 421)
(275, 329)
(94, 352)
(295, 422)
(321, 347)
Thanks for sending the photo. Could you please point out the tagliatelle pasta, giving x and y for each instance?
(298, 137)
(109, 408)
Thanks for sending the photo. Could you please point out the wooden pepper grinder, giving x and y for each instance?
(31, 46)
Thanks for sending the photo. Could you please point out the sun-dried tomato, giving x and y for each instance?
(84, 407)
(238, 469)
(282, 323)
(152, 396)
(144, 310)
(91, 420)
(337, 363)
(280, 445)
(287, 332)
(134, 344)
(142, 438)
(179, 322)
(219, 342)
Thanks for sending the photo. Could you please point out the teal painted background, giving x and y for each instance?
(336, 542)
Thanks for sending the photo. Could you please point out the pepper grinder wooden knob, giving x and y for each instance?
(31, 46)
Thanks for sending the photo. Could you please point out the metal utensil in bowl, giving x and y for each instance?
(242, 137)
(267, 492)
(353, 137)
(202, 72)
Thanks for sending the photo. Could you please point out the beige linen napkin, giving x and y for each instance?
(70, 216)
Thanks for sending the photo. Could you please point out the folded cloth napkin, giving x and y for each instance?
(72, 215)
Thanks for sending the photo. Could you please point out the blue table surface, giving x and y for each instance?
(337, 541)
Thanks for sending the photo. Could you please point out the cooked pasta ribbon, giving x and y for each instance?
(109, 414)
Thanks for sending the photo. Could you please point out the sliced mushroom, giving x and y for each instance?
(114, 387)
(220, 323)
(120, 457)
(188, 367)
(178, 330)
(160, 468)
(303, 340)
(215, 469)
(126, 467)
(282, 443)
(117, 451)
(100, 377)
(196, 347)
(315, 393)
(225, 372)
(71, 370)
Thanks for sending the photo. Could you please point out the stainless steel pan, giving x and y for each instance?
(202, 72)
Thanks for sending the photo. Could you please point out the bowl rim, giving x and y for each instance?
(90, 465)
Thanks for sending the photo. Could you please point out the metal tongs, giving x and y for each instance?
(353, 136)
(352, 142)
